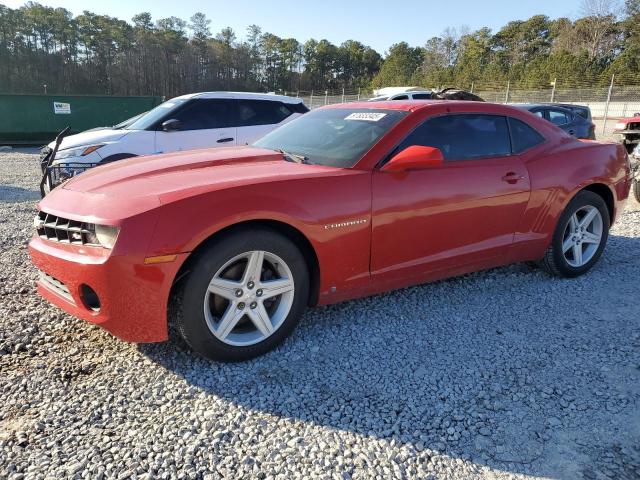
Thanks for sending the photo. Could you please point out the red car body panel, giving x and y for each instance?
(369, 230)
(628, 120)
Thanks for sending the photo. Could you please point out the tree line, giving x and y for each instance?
(99, 54)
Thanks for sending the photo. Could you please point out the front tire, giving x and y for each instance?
(579, 238)
(636, 190)
(245, 294)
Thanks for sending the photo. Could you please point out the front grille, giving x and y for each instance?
(60, 173)
(63, 230)
(56, 285)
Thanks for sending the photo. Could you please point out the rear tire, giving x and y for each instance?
(579, 238)
(229, 312)
(636, 190)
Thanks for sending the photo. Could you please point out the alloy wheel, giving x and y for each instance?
(582, 236)
(249, 298)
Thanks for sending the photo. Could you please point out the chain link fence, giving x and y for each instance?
(607, 103)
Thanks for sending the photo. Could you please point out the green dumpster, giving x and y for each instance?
(36, 119)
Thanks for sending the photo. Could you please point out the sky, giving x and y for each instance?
(376, 23)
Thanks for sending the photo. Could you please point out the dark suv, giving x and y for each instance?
(573, 119)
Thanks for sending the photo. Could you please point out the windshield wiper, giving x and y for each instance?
(294, 157)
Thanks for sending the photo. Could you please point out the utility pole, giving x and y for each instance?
(45, 88)
(606, 107)
(553, 90)
(506, 97)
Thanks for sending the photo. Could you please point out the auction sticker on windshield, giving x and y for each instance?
(369, 117)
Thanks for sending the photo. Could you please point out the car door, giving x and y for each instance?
(204, 123)
(463, 212)
(256, 118)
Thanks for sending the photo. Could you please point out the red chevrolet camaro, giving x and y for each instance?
(231, 245)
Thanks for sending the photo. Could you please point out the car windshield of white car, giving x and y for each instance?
(333, 137)
(152, 116)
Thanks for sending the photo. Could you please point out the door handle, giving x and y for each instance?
(512, 177)
(223, 140)
(572, 132)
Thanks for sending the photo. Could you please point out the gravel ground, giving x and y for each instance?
(501, 374)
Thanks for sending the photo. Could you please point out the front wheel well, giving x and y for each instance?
(605, 193)
(117, 156)
(282, 228)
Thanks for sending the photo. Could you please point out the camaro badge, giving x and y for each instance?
(345, 224)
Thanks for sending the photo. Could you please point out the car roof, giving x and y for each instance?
(568, 106)
(245, 96)
(408, 92)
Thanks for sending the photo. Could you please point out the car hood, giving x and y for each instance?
(629, 120)
(91, 137)
(173, 176)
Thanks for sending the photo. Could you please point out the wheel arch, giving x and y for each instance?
(283, 228)
(603, 191)
(117, 156)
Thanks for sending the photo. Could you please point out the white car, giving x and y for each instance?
(410, 95)
(198, 120)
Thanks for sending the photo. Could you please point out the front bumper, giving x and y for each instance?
(133, 296)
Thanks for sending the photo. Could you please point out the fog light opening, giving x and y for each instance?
(89, 298)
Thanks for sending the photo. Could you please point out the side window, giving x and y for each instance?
(401, 97)
(523, 137)
(583, 112)
(421, 96)
(202, 114)
(558, 117)
(538, 113)
(463, 136)
(261, 112)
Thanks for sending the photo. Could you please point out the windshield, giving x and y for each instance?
(129, 121)
(333, 137)
(155, 114)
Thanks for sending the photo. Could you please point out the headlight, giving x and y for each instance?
(620, 126)
(104, 235)
(78, 151)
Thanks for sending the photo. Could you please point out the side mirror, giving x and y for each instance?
(415, 157)
(171, 125)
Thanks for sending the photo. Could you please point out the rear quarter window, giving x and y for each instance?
(582, 112)
(523, 137)
(261, 112)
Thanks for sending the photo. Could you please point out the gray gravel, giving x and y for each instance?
(502, 374)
